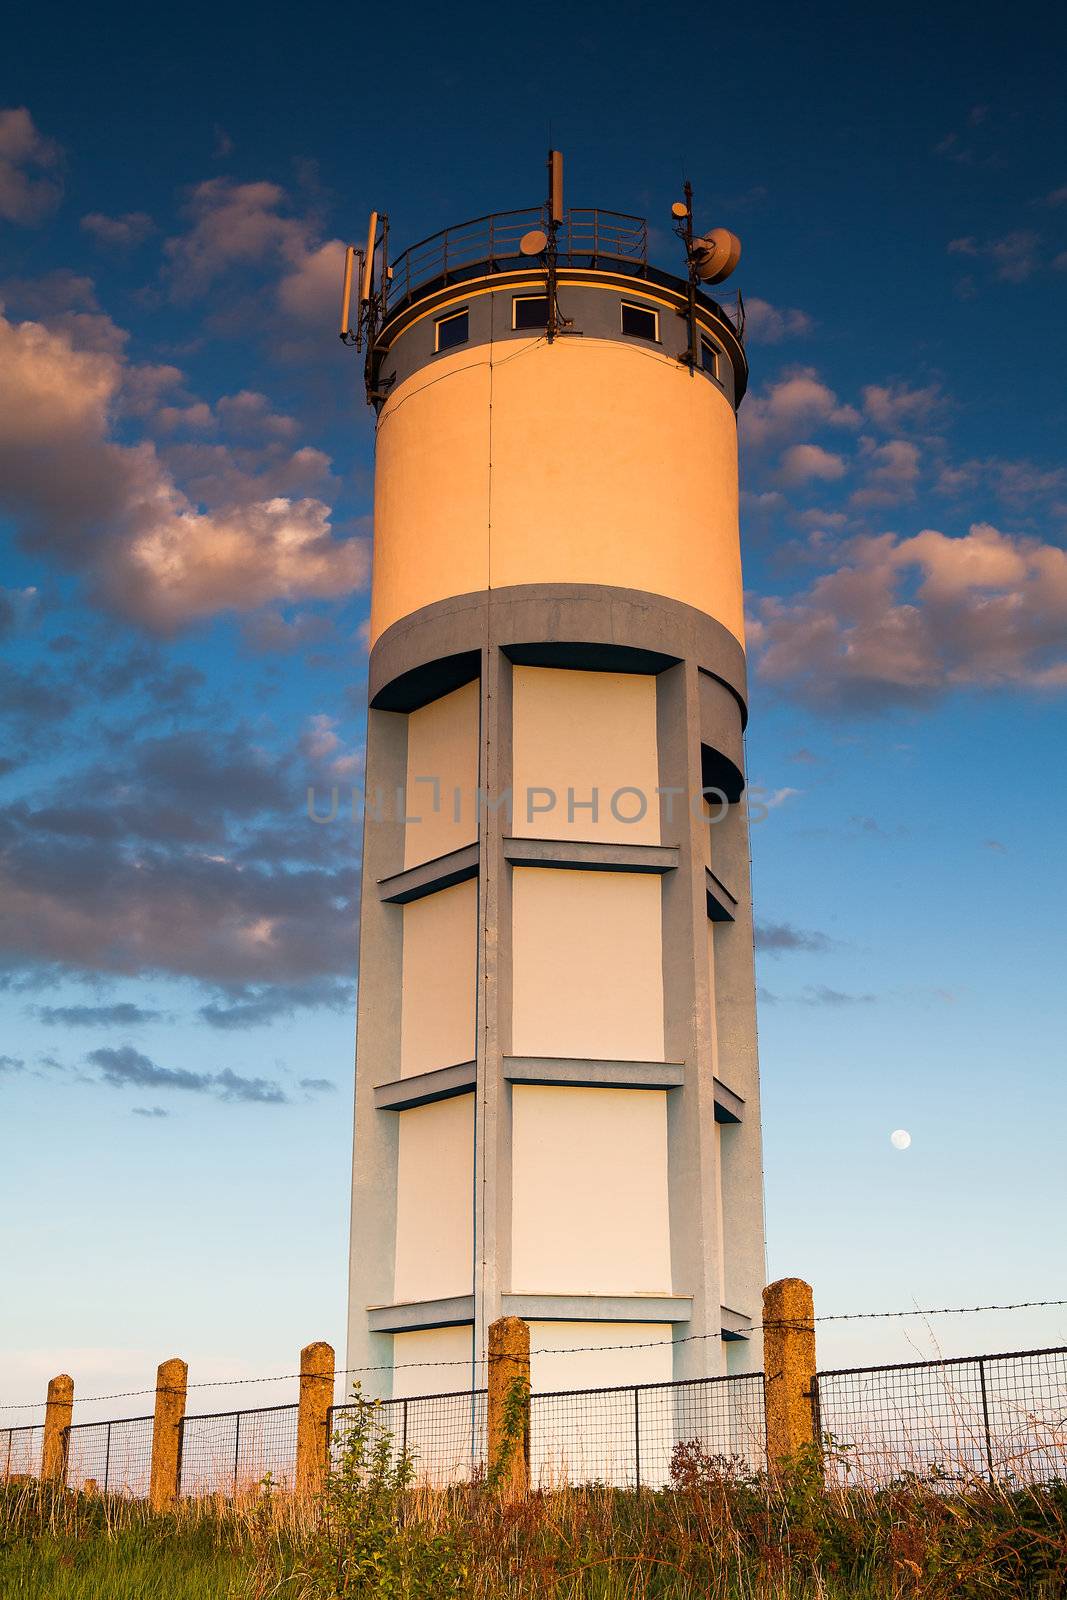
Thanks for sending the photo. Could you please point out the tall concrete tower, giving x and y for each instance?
(557, 1107)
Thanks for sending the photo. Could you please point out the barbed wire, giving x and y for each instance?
(567, 1350)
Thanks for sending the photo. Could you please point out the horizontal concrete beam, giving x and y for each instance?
(422, 1087)
(598, 1307)
(415, 1314)
(587, 856)
(722, 905)
(729, 1107)
(429, 876)
(735, 1325)
(578, 1074)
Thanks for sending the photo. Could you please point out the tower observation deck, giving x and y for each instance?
(557, 1099)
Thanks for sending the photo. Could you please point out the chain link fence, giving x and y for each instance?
(1002, 1418)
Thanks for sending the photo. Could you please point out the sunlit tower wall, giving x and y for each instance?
(557, 1100)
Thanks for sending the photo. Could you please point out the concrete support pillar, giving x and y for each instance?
(59, 1410)
(509, 1406)
(789, 1368)
(171, 1380)
(317, 1362)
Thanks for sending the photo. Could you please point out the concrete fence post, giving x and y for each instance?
(172, 1378)
(317, 1363)
(789, 1368)
(58, 1414)
(509, 1406)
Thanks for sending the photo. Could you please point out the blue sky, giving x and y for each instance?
(185, 469)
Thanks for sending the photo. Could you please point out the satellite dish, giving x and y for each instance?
(716, 254)
(679, 209)
(532, 243)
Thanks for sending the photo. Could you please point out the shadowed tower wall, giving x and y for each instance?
(557, 1104)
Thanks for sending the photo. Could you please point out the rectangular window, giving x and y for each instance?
(639, 322)
(709, 358)
(529, 311)
(452, 330)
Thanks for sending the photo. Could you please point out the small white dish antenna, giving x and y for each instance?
(532, 243)
(716, 254)
(679, 209)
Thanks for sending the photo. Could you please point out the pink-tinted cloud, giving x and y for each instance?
(907, 619)
(794, 405)
(117, 512)
(119, 233)
(891, 471)
(767, 324)
(897, 405)
(807, 463)
(1014, 256)
(30, 188)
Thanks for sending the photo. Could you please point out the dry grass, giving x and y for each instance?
(713, 1535)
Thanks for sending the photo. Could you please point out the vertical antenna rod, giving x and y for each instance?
(555, 218)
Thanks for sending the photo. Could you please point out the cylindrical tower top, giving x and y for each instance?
(564, 424)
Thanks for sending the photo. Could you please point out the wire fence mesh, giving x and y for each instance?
(222, 1452)
(115, 1456)
(1002, 1418)
(443, 1434)
(629, 1437)
(20, 1451)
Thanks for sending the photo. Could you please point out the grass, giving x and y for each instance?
(713, 1533)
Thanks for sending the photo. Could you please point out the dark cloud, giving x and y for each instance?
(271, 633)
(774, 937)
(148, 1111)
(318, 1085)
(12, 1064)
(820, 995)
(124, 1067)
(123, 1014)
(229, 1086)
(253, 1007)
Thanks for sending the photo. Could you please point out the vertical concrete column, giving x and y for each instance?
(317, 1364)
(59, 1409)
(172, 1378)
(509, 1383)
(789, 1368)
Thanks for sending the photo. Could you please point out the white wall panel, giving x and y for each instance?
(442, 748)
(589, 1196)
(587, 975)
(580, 732)
(434, 1201)
(440, 978)
(566, 1366)
(432, 1345)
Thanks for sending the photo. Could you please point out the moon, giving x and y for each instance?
(900, 1139)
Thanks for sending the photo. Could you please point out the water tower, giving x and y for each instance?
(557, 1106)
